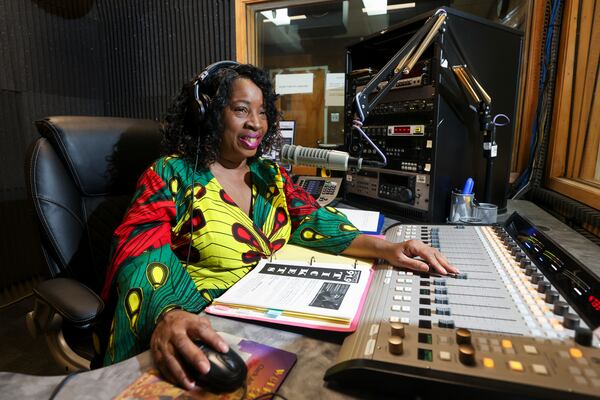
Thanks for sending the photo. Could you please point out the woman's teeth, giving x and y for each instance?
(251, 142)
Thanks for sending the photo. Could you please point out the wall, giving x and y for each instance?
(88, 57)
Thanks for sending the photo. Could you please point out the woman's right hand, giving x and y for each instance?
(173, 348)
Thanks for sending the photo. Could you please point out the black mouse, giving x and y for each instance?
(227, 370)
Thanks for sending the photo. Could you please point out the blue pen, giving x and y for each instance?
(468, 188)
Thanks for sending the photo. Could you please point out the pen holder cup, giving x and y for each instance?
(461, 206)
(486, 212)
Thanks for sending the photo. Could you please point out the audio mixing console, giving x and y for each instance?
(521, 318)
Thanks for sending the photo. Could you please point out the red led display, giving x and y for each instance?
(594, 302)
(402, 129)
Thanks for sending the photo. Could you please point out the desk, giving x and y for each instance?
(316, 351)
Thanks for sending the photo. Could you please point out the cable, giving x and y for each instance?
(501, 116)
(545, 94)
(187, 261)
(357, 125)
(62, 384)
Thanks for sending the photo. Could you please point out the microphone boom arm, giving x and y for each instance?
(400, 64)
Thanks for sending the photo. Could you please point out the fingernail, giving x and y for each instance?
(204, 367)
(425, 268)
(189, 385)
(223, 347)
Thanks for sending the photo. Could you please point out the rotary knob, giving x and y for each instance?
(529, 270)
(397, 329)
(560, 308)
(551, 296)
(463, 336)
(570, 321)
(405, 195)
(396, 345)
(466, 354)
(519, 255)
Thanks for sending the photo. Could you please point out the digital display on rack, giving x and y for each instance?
(576, 284)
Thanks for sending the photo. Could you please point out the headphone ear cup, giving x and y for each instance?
(203, 101)
(200, 95)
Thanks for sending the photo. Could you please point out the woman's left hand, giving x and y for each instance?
(402, 255)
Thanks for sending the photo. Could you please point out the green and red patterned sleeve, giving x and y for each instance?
(321, 228)
(145, 275)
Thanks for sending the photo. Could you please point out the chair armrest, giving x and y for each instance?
(71, 299)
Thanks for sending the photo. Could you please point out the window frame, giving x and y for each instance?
(566, 154)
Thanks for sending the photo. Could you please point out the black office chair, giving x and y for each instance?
(81, 175)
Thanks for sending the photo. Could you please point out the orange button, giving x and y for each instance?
(515, 366)
(488, 362)
(507, 344)
(575, 352)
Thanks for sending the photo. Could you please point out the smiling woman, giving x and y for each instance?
(207, 212)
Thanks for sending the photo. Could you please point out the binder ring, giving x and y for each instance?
(312, 259)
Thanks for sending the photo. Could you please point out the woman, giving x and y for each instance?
(204, 215)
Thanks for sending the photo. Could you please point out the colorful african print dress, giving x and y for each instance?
(184, 241)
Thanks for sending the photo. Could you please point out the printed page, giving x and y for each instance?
(365, 221)
(322, 292)
(298, 254)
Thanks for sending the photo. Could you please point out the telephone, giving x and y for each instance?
(324, 190)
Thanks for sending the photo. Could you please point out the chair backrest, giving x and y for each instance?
(81, 175)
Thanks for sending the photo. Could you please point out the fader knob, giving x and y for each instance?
(536, 277)
(397, 329)
(570, 321)
(551, 296)
(524, 263)
(463, 336)
(583, 336)
(395, 345)
(466, 354)
(560, 308)
(543, 286)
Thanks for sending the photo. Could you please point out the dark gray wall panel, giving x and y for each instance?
(89, 57)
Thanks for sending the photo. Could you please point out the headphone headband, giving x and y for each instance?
(202, 98)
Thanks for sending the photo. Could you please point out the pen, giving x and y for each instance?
(468, 188)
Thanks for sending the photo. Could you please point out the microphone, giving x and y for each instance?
(333, 160)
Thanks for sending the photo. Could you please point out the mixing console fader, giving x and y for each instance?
(521, 318)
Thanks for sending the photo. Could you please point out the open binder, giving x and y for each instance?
(300, 287)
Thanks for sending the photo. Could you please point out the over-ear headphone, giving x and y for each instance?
(200, 89)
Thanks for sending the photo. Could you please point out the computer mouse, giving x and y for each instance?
(227, 370)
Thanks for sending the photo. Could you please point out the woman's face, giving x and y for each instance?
(245, 122)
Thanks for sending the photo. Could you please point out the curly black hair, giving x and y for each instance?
(185, 133)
